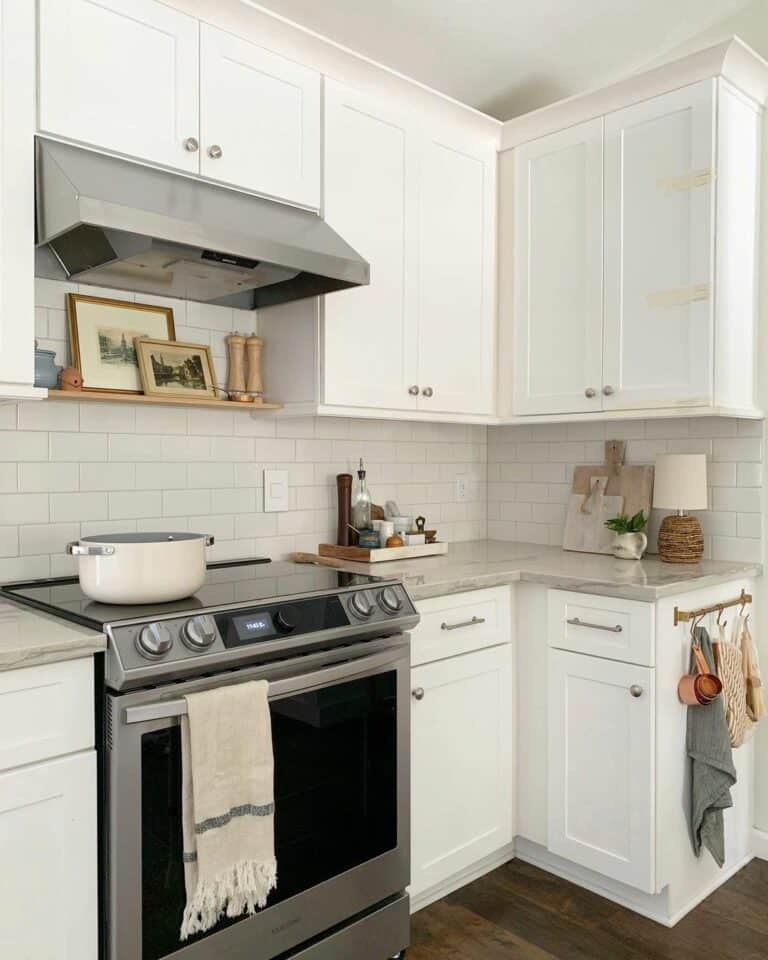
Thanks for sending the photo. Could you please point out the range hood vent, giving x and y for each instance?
(114, 223)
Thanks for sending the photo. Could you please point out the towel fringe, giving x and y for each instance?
(241, 889)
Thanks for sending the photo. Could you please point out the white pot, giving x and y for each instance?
(629, 546)
(140, 568)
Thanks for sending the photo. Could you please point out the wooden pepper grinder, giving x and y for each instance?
(254, 387)
(236, 376)
(344, 491)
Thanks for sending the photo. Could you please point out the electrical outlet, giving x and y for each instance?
(461, 487)
(275, 491)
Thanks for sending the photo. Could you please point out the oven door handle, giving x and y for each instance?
(301, 683)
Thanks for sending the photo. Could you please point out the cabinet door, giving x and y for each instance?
(658, 251)
(259, 119)
(370, 199)
(558, 264)
(17, 197)
(121, 74)
(456, 275)
(601, 766)
(461, 757)
(48, 903)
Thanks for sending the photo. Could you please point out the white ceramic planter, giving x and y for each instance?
(136, 568)
(629, 546)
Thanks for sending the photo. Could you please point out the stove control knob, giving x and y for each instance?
(390, 601)
(288, 618)
(361, 606)
(154, 641)
(199, 633)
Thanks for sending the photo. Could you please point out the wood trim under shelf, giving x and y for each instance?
(107, 397)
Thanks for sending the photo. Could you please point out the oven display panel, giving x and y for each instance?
(256, 626)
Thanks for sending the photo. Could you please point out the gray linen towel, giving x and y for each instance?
(712, 771)
(228, 806)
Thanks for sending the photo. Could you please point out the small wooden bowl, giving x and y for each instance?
(395, 542)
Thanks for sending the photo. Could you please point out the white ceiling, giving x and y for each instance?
(509, 56)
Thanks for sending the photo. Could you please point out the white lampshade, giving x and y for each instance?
(680, 481)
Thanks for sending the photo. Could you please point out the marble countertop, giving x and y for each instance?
(490, 563)
(29, 638)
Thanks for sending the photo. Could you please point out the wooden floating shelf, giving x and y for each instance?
(106, 397)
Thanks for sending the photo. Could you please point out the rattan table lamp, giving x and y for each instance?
(680, 484)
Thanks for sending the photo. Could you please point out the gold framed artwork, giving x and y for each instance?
(101, 337)
(182, 370)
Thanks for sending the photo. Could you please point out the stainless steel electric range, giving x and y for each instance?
(335, 650)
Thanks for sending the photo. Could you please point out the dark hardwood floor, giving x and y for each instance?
(519, 912)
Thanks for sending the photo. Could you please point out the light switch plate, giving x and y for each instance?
(275, 491)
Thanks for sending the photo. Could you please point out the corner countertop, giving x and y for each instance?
(491, 563)
(28, 638)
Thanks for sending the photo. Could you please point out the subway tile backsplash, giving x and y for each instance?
(74, 469)
(530, 469)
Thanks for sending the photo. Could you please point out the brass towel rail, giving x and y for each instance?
(683, 615)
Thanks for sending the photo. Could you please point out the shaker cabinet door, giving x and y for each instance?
(659, 159)
(558, 271)
(122, 75)
(48, 880)
(462, 806)
(259, 119)
(601, 763)
(370, 200)
(456, 275)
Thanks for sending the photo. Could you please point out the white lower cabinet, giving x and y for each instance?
(48, 880)
(601, 766)
(461, 758)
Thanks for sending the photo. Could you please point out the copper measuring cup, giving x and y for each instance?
(702, 687)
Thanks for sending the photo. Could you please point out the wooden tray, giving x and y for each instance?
(365, 555)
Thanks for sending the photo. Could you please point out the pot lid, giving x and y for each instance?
(160, 537)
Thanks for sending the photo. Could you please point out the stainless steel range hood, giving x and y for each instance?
(119, 224)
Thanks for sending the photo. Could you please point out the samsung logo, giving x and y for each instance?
(286, 925)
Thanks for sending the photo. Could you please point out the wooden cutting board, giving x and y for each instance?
(633, 484)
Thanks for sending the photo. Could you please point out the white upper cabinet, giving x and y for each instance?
(138, 78)
(17, 236)
(419, 205)
(628, 245)
(456, 277)
(370, 200)
(659, 166)
(558, 271)
(123, 75)
(259, 119)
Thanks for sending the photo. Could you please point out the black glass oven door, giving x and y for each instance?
(336, 799)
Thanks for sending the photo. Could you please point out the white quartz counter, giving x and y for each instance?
(490, 563)
(28, 638)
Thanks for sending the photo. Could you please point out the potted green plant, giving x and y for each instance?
(630, 540)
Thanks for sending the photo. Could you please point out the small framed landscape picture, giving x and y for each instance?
(102, 334)
(182, 370)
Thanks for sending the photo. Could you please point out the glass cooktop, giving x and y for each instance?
(226, 583)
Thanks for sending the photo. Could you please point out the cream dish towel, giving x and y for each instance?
(227, 804)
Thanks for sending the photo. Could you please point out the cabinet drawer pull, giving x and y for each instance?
(636, 690)
(575, 622)
(465, 623)
(418, 693)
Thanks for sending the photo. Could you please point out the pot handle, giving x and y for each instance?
(76, 549)
(209, 540)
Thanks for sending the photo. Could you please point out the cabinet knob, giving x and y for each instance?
(590, 392)
(215, 152)
(608, 390)
(191, 145)
(418, 693)
(636, 690)
(414, 390)
(427, 391)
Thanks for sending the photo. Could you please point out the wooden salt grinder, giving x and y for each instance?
(236, 351)
(344, 491)
(255, 387)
